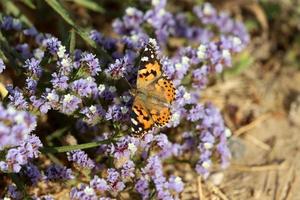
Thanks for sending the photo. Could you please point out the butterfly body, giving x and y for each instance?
(153, 95)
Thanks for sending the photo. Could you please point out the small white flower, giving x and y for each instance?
(112, 89)
(68, 98)
(208, 9)
(206, 164)
(61, 51)
(38, 54)
(208, 145)
(185, 60)
(52, 97)
(175, 117)
(19, 118)
(93, 109)
(132, 148)
(134, 38)
(226, 54)
(178, 66)
(101, 88)
(161, 12)
(201, 52)
(187, 96)
(236, 41)
(10, 110)
(155, 2)
(130, 11)
(178, 179)
(228, 132)
(65, 62)
(89, 191)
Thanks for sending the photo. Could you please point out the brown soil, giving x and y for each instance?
(265, 150)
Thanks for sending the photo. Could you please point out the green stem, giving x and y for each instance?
(63, 149)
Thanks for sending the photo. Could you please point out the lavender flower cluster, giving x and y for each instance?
(90, 91)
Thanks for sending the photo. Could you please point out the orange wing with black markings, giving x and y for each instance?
(154, 94)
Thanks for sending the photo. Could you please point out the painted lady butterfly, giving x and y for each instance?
(153, 95)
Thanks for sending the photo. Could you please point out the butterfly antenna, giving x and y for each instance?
(128, 83)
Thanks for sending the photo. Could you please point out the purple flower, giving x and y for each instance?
(130, 23)
(119, 68)
(52, 44)
(33, 173)
(58, 172)
(92, 63)
(96, 36)
(196, 113)
(175, 183)
(31, 85)
(114, 181)
(200, 77)
(142, 187)
(99, 184)
(33, 67)
(70, 104)
(24, 50)
(117, 113)
(17, 98)
(84, 87)
(16, 157)
(15, 126)
(212, 139)
(13, 193)
(2, 66)
(9, 23)
(30, 32)
(59, 81)
(161, 20)
(81, 159)
(128, 170)
(83, 191)
(93, 114)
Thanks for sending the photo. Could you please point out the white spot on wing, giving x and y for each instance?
(145, 58)
(134, 121)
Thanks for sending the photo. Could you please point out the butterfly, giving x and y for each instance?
(154, 93)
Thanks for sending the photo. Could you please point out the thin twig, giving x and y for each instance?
(271, 167)
(200, 192)
(258, 143)
(288, 184)
(252, 125)
(216, 190)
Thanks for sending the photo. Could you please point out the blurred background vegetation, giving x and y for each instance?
(274, 25)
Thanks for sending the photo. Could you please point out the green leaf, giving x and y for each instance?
(72, 41)
(57, 7)
(29, 3)
(54, 4)
(63, 149)
(56, 134)
(90, 4)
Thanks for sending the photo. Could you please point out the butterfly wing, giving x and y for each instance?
(155, 93)
(164, 90)
(150, 68)
(140, 117)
